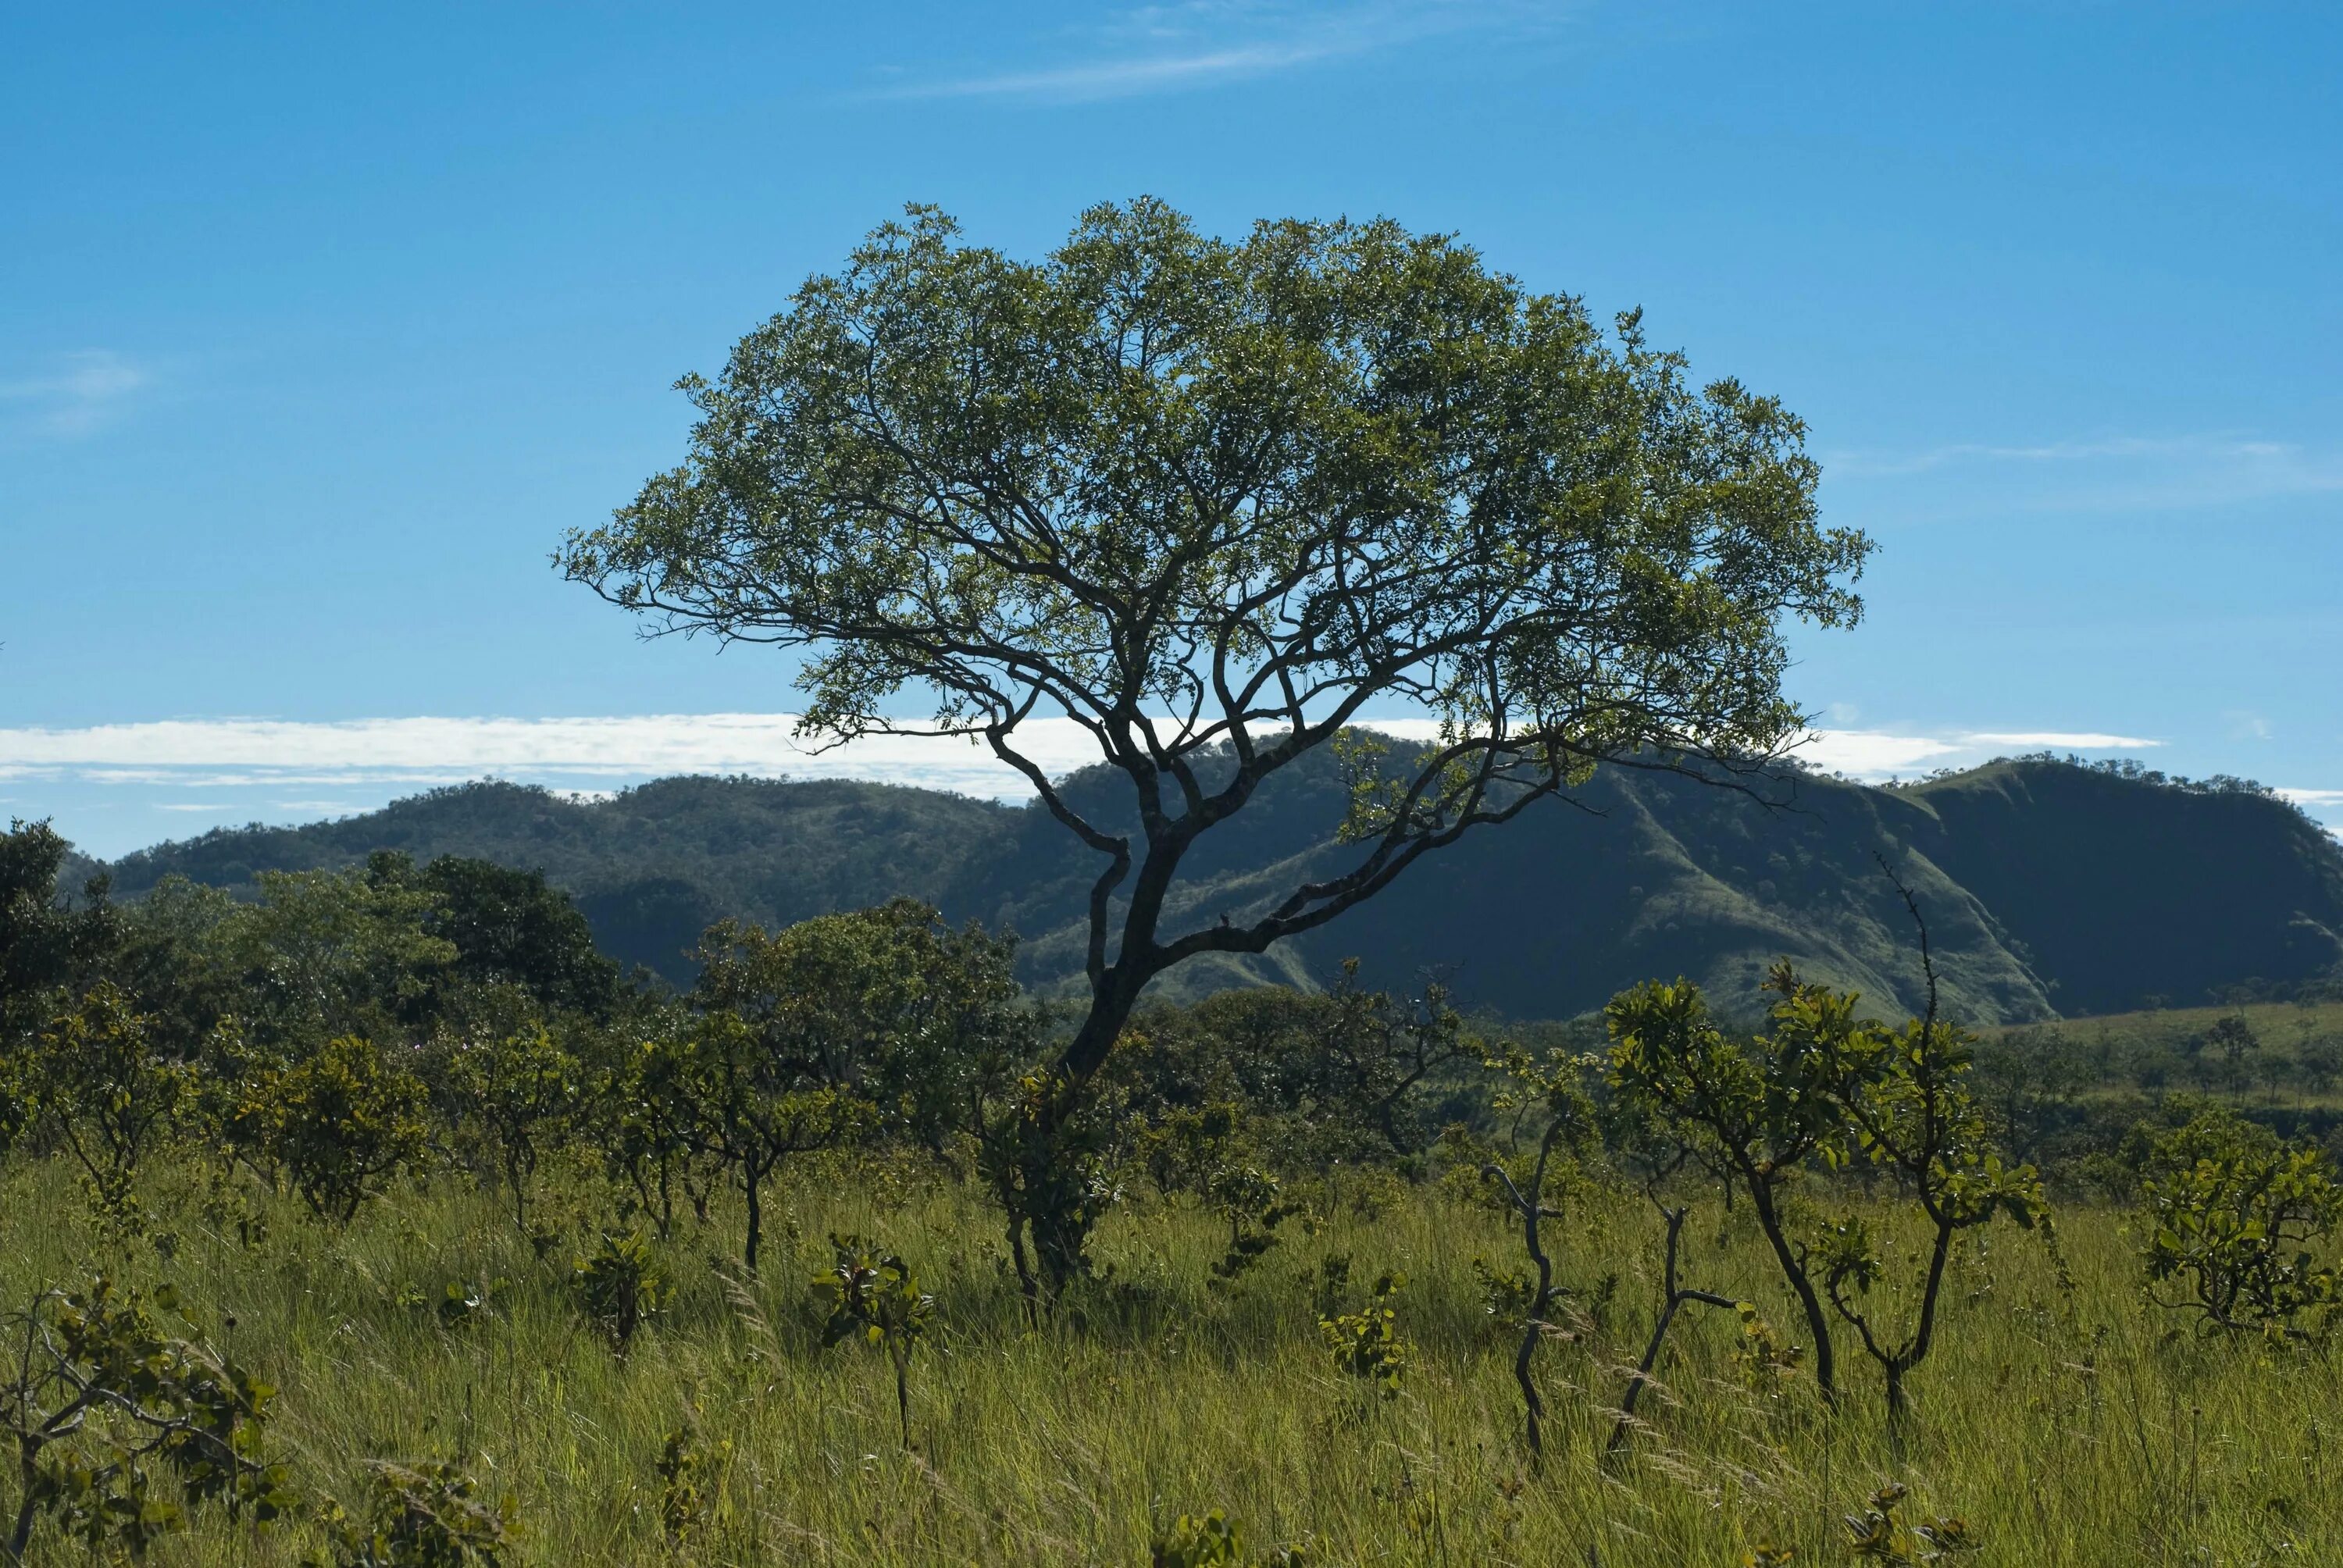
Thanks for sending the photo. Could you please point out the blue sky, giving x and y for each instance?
(318, 325)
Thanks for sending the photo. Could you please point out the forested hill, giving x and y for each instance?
(2048, 888)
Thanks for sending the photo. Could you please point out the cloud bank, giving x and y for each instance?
(115, 786)
(217, 753)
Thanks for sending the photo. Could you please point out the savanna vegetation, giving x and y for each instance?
(375, 1218)
(379, 1219)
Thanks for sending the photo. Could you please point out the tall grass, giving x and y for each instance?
(2066, 1421)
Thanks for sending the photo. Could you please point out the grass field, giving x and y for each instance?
(2064, 1420)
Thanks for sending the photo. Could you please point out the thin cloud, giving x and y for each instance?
(2108, 473)
(2061, 740)
(81, 392)
(1167, 48)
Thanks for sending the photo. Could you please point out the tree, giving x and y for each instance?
(1551, 1086)
(2234, 1039)
(1205, 502)
(1905, 1094)
(508, 928)
(522, 1088)
(98, 1085)
(335, 954)
(888, 1004)
(1752, 1111)
(47, 943)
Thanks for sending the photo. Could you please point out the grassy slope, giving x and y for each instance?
(2068, 1426)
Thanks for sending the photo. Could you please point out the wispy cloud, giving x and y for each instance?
(1167, 48)
(74, 395)
(2136, 473)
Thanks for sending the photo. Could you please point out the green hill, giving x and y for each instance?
(2049, 887)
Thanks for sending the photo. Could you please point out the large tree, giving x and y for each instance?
(1210, 501)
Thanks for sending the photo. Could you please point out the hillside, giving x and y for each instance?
(2049, 887)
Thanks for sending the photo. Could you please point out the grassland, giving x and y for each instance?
(2066, 1420)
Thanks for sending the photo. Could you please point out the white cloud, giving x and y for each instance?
(1165, 48)
(79, 392)
(1876, 754)
(585, 755)
(2059, 740)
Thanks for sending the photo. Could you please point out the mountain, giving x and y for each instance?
(2049, 887)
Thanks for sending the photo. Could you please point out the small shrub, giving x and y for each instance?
(2234, 1212)
(874, 1296)
(1215, 1539)
(428, 1515)
(1877, 1535)
(336, 1124)
(622, 1287)
(100, 1087)
(1366, 1344)
(96, 1393)
(683, 1493)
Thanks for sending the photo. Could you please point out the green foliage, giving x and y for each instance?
(335, 1125)
(622, 1286)
(522, 1089)
(2232, 1213)
(1828, 1087)
(908, 1013)
(425, 1515)
(683, 1486)
(99, 1086)
(1366, 1344)
(96, 1397)
(1216, 1540)
(873, 1295)
(510, 928)
(1255, 483)
(1042, 1151)
(333, 955)
(646, 1113)
(49, 944)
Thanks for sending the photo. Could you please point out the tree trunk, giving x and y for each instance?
(752, 1177)
(1826, 1361)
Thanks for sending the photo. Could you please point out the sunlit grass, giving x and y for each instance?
(2068, 1426)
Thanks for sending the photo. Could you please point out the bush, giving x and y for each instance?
(336, 1125)
(2235, 1212)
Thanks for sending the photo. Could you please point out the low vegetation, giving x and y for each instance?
(378, 1222)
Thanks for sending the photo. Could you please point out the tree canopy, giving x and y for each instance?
(1208, 499)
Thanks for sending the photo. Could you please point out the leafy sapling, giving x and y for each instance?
(1553, 1087)
(1905, 1095)
(1366, 1344)
(622, 1287)
(1752, 1111)
(96, 1393)
(873, 1294)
